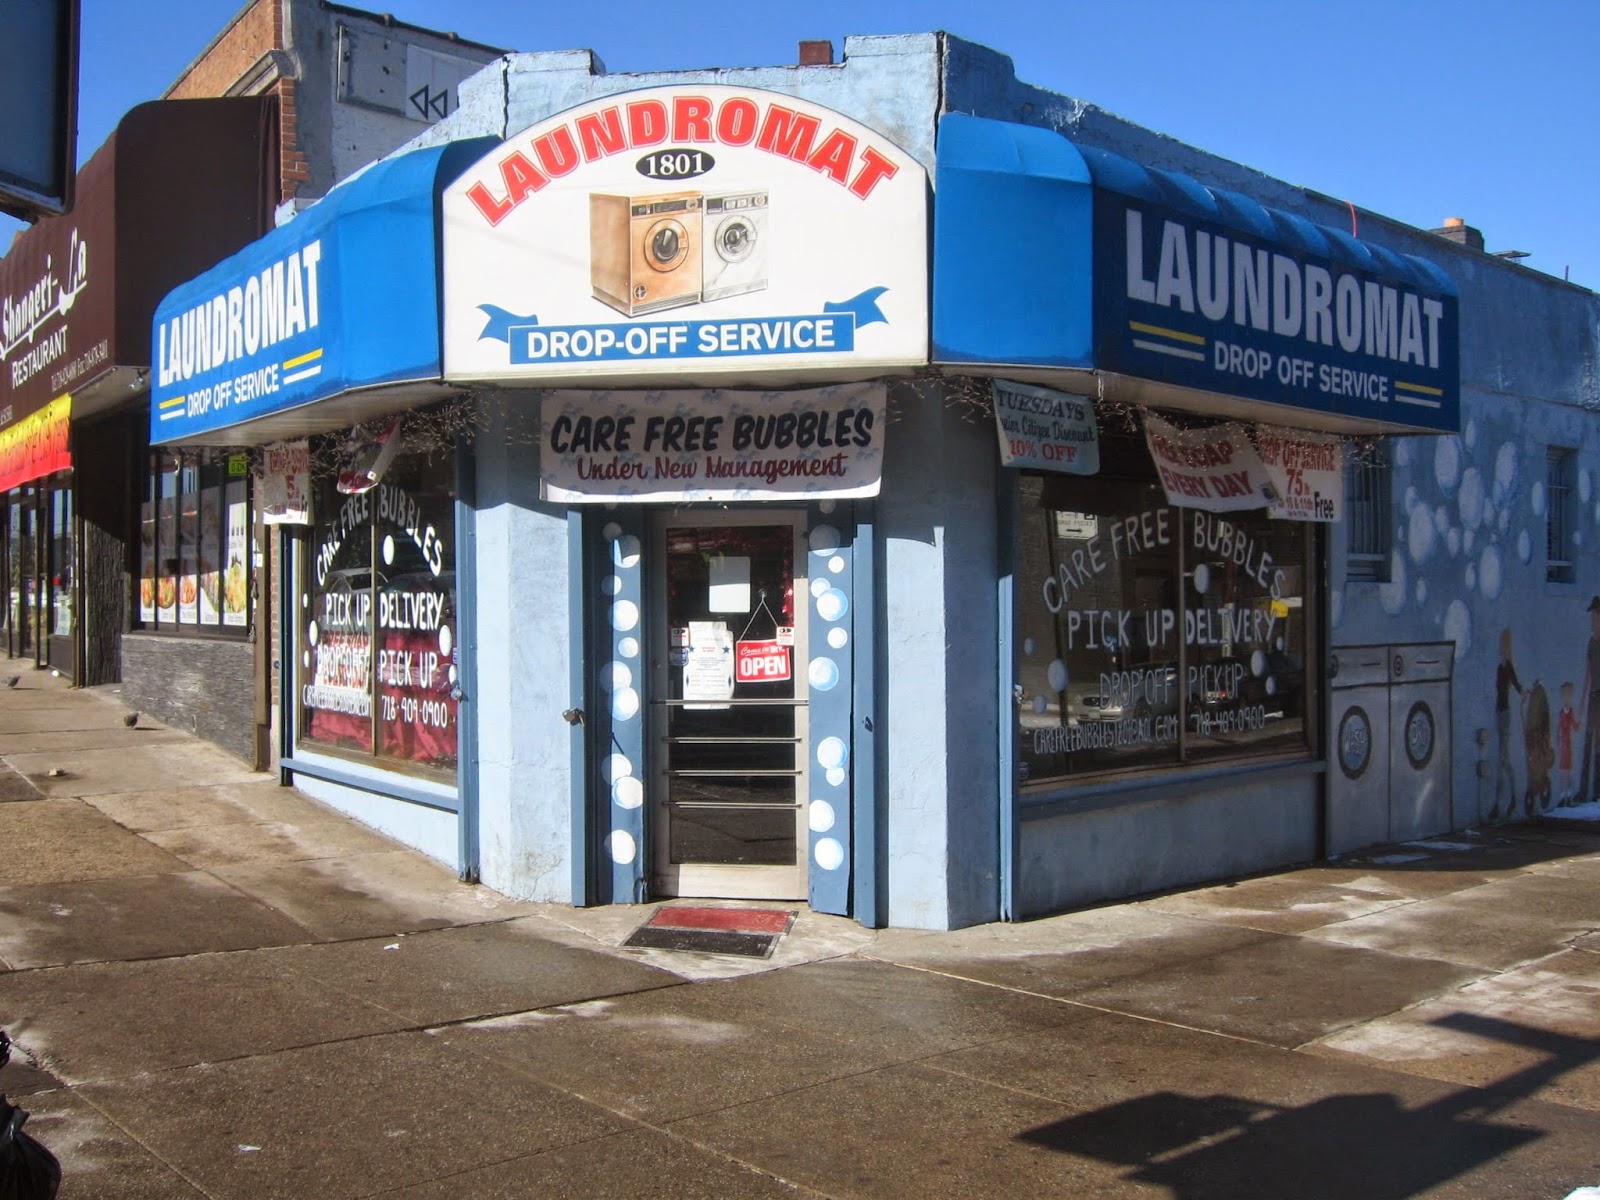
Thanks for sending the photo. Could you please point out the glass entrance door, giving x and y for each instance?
(728, 705)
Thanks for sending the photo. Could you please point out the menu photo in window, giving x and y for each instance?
(235, 558)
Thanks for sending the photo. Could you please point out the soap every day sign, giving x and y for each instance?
(1216, 469)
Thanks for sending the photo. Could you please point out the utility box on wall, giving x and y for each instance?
(1390, 778)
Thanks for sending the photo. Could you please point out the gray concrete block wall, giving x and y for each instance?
(202, 686)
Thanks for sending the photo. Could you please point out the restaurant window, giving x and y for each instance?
(1151, 636)
(194, 543)
(378, 662)
(1368, 486)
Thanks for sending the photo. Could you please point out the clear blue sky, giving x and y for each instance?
(1418, 109)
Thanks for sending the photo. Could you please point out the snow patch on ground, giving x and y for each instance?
(1579, 812)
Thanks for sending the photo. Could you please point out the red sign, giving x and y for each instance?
(760, 662)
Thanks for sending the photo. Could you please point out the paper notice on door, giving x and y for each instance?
(708, 671)
(729, 584)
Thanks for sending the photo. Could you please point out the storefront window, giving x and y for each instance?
(1150, 636)
(194, 551)
(379, 666)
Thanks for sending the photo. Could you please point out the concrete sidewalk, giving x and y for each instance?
(220, 988)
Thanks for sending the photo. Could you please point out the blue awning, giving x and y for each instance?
(1049, 255)
(341, 300)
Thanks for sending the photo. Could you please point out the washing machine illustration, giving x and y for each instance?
(644, 251)
(736, 246)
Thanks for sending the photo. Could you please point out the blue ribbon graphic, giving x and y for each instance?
(863, 305)
(501, 321)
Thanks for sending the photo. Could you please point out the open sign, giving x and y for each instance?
(760, 662)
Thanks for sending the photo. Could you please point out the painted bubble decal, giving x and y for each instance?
(824, 539)
(823, 673)
(1258, 663)
(831, 752)
(1585, 485)
(838, 638)
(1202, 578)
(1027, 645)
(1447, 463)
(621, 846)
(615, 767)
(836, 564)
(612, 531)
(1422, 592)
(624, 615)
(1525, 546)
(616, 675)
(625, 704)
(1441, 520)
(1336, 607)
(625, 551)
(829, 854)
(819, 585)
(1469, 501)
(628, 647)
(388, 549)
(832, 604)
(447, 640)
(628, 793)
(1040, 705)
(1420, 539)
(1536, 497)
(1056, 675)
(1452, 541)
(835, 776)
(820, 816)
(1505, 473)
(611, 584)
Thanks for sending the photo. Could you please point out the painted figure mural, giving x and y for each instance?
(1589, 777)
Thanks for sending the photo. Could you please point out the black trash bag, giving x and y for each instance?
(27, 1170)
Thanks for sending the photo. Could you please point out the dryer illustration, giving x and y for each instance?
(736, 245)
(644, 251)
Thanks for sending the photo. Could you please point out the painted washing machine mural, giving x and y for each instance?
(1483, 521)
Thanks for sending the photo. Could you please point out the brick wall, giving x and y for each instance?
(254, 32)
(203, 686)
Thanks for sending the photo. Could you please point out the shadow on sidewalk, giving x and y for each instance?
(1371, 1145)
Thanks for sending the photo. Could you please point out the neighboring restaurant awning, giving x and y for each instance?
(176, 185)
(326, 321)
(1069, 264)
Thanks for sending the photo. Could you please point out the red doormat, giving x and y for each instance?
(746, 932)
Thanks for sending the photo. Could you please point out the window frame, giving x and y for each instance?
(212, 472)
(1560, 515)
(1369, 513)
(1194, 751)
(375, 757)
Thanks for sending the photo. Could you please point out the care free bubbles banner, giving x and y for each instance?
(696, 231)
